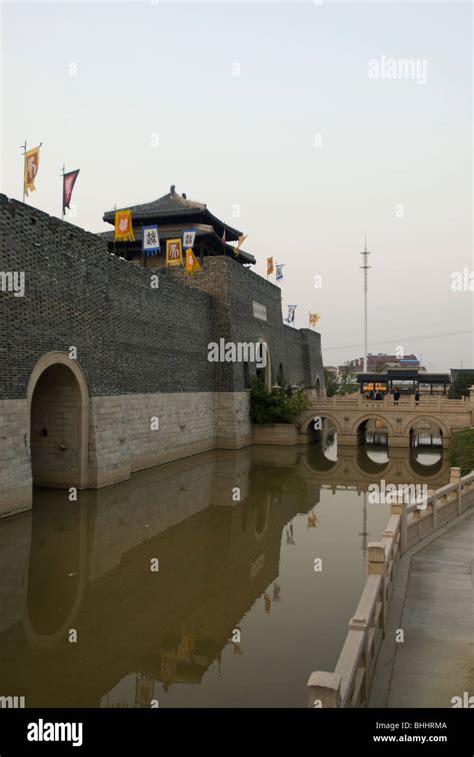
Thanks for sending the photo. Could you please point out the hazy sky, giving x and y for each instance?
(236, 94)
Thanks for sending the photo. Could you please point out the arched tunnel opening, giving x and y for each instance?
(58, 442)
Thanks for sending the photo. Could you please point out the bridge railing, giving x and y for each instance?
(352, 401)
(349, 685)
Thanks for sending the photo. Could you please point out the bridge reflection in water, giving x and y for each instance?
(224, 566)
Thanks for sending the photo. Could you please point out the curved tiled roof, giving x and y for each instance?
(170, 206)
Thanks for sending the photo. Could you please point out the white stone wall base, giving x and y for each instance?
(122, 438)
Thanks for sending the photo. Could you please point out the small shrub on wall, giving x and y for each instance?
(277, 406)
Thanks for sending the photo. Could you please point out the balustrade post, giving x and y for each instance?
(378, 566)
(435, 511)
(324, 690)
(455, 478)
(400, 508)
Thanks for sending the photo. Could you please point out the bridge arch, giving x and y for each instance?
(366, 466)
(262, 513)
(58, 430)
(372, 416)
(309, 417)
(426, 417)
(425, 471)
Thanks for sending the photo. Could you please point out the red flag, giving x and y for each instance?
(69, 179)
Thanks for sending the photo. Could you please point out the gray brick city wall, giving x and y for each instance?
(131, 338)
(234, 289)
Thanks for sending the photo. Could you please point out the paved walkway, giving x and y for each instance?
(433, 602)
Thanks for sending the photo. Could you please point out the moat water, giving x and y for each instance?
(137, 594)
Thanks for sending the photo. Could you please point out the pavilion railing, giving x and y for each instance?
(356, 401)
(350, 683)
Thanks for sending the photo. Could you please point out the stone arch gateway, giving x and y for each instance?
(58, 412)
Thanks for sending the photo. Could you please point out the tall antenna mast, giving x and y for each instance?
(365, 267)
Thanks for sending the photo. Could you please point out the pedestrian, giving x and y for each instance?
(417, 396)
(396, 395)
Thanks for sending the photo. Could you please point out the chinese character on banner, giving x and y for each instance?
(150, 240)
(31, 169)
(174, 252)
(123, 226)
(69, 179)
(269, 266)
(188, 239)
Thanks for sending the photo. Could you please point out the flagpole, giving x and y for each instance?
(62, 195)
(24, 153)
(143, 250)
(115, 241)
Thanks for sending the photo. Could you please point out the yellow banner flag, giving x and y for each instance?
(31, 169)
(174, 252)
(192, 264)
(269, 266)
(314, 318)
(123, 226)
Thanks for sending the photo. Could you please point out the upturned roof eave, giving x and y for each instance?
(151, 213)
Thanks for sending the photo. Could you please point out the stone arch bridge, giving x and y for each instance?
(350, 414)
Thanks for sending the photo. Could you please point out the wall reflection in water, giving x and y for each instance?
(235, 615)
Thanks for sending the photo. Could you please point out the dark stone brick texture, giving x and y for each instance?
(130, 338)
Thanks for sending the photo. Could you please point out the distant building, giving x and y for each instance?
(380, 363)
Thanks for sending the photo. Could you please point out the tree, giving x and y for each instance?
(276, 406)
(460, 386)
(462, 450)
(346, 384)
(331, 383)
